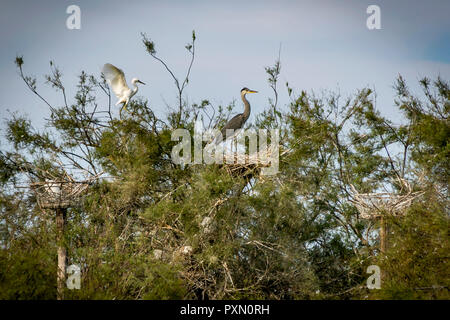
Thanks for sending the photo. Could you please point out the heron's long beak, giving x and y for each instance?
(252, 91)
(140, 81)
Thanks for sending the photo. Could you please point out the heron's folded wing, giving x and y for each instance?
(235, 123)
(116, 79)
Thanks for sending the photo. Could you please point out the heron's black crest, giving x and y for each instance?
(245, 88)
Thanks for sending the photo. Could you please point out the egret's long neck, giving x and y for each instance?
(135, 90)
(246, 106)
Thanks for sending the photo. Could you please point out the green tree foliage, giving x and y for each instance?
(152, 229)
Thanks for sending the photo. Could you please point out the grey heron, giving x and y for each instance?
(237, 122)
(116, 80)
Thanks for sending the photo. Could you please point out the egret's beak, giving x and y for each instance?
(140, 82)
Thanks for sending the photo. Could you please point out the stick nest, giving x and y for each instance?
(62, 192)
(374, 205)
(243, 164)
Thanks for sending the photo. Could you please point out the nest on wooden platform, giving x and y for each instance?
(374, 205)
(60, 192)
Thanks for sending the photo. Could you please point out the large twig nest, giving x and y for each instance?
(60, 193)
(374, 205)
(242, 164)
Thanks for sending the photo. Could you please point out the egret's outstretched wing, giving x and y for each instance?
(116, 79)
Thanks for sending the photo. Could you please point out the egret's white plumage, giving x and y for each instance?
(116, 80)
(53, 187)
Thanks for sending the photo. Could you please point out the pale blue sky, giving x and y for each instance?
(325, 45)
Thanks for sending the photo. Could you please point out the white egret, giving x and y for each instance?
(116, 80)
(53, 187)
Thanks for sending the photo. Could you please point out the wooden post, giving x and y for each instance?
(62, 252)
(383, 243)
(382, 235)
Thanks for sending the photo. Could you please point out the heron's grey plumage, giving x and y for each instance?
(237, 122)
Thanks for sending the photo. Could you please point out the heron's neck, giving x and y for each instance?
(246, 113)
(135, 90)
